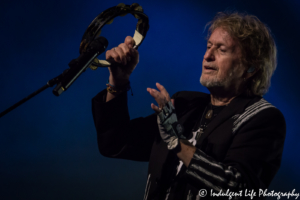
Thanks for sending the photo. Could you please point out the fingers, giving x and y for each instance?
(124, 52)
(127, 56)
(153, 92)
(161, 97)
(129, 41)
(163, 91)
(155, 108)
(120, 54)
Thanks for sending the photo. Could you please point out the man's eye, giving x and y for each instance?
(207, 47)
(222, 50)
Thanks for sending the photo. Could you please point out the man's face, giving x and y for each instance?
(221, 66)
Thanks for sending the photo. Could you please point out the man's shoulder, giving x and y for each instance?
(259, 111)
(262, 106)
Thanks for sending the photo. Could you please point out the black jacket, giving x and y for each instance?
(246, 137)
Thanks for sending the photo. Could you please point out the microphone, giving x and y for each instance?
(79, 65)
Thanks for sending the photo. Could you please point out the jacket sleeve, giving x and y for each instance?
(117, 135)
(251, 161)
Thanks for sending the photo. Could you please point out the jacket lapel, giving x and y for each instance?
(236, 106)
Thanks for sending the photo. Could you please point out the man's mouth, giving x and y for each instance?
(206, 67)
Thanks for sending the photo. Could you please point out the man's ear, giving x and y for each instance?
(251, 69)
(250, 72)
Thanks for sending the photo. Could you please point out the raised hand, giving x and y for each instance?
(169, 128)
(162, 97)
(127, 56)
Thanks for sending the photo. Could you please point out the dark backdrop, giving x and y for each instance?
(48, 145)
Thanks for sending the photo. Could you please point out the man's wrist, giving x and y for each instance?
(186, 151)
(176, 149)
(186, 142)
(117, 89)
(117, 82)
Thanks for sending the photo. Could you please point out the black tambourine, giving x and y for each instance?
(107, 17)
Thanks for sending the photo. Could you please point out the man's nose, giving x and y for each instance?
(209, 55)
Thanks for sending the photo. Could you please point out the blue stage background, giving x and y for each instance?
(48, 147)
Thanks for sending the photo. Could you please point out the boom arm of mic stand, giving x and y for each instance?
(50, 83)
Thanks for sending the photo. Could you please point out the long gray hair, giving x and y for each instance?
(257, 44)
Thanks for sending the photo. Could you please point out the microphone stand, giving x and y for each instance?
(50, 83)
(77, 66)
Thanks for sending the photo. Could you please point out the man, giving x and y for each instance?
(197, 144)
